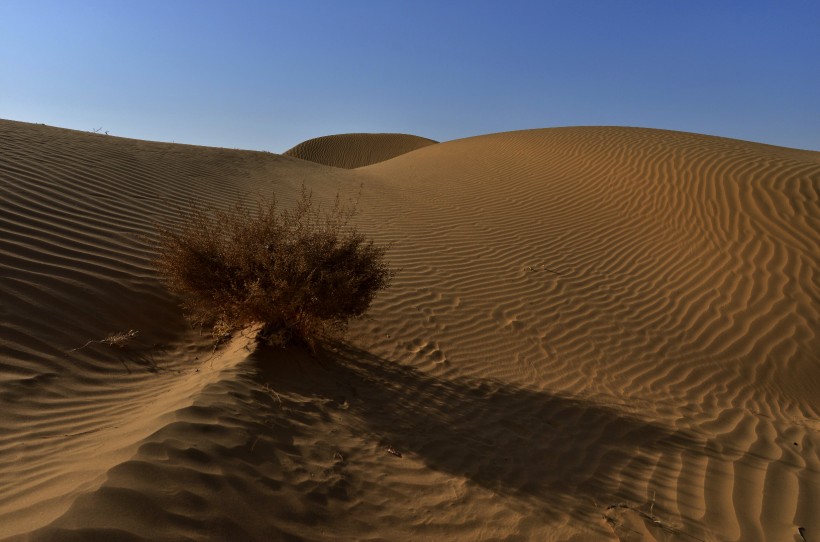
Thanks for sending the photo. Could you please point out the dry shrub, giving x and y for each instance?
(301, 272)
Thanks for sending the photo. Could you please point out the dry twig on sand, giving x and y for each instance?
(649, 517)
(119, 339)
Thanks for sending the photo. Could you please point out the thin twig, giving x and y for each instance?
(117, 339)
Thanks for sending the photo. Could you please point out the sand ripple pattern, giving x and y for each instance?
(594, 334)
(76, 215)
(666, 274)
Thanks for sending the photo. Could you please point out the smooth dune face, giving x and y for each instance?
(594, 334)
(351, 151)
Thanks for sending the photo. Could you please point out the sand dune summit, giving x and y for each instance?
(356, 150)
(594, 333)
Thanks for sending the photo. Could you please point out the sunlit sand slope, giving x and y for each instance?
(671, 277)
(356, 150)
(593, 334)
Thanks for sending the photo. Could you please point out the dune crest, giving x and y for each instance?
(351, 151)
(595, 333)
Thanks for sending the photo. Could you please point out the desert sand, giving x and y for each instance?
(352, 151)
(594, 333)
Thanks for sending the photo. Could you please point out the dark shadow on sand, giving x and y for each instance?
(262, 433)
(549, 451)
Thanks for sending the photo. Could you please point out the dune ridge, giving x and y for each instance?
(595, 334)
(351, 151)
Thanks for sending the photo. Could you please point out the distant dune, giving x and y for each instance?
(351, 151)
(595, 333)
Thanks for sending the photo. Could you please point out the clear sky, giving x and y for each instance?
(267, 75)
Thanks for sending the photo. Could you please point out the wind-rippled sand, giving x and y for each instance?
(594, 334)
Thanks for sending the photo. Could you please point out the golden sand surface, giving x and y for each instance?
(594, 333)
(352, 151)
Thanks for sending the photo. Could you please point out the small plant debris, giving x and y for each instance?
(393, 451)
(119, 339)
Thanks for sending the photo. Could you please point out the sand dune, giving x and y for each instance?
(595, 334)
(351, 151)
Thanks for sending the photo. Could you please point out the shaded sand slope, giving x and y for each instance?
(356, 150)
(74, 266)
(595, 334)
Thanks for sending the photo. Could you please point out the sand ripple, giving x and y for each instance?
(599, 333)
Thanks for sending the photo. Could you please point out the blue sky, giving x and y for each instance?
(268, 75)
